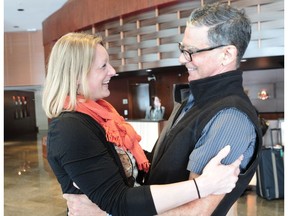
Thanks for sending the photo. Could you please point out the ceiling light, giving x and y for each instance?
(263, 95)
(32, 30)
(20, 9)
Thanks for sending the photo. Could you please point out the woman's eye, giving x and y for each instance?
(103, 66)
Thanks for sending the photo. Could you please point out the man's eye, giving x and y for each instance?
(192, 51)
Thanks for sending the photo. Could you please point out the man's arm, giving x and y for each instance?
(80, 204)
(204, 206)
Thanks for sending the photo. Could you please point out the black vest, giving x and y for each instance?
(211, 95)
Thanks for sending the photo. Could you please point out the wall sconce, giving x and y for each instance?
(263, 95)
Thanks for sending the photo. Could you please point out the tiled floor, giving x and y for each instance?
(30, 188)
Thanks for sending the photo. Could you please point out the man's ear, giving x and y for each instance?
(230, 55)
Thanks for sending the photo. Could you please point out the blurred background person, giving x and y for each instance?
(155, 111)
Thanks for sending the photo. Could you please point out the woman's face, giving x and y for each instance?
(157, 102)
(100, 74)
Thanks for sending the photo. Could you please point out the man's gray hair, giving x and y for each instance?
(227, 26)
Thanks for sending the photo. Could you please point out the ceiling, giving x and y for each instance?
(33, 14)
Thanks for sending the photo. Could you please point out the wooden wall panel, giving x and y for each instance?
(24, 59)
(15, 53)
(267, 17)
(145, 35)
(75, 15)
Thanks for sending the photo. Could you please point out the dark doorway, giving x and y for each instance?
(138, 100)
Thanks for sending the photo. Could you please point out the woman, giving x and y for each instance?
(156, 111)
(86, 136)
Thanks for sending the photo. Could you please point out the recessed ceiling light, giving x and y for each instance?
(32, 30)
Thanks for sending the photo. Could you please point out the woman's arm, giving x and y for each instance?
(78, 152)
(216, 179)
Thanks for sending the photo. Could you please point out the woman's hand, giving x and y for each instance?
(81, 205)
(218, 178)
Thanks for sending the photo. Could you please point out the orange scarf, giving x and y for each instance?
(118, 131)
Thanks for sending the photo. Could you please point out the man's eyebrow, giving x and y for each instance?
(191, 48)
(187, 47)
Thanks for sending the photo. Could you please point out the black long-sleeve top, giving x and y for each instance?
(79, 152)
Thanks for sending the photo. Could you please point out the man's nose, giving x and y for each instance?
(182, 60)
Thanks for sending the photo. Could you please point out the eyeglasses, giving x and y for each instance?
(188, 55)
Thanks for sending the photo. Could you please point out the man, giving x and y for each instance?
(217, 112)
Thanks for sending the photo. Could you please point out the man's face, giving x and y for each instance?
(204, 64)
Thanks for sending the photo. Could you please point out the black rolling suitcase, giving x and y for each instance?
(270, 171)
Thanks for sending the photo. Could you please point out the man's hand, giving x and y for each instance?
(81, 205)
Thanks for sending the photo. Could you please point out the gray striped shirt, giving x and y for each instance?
(228, 127)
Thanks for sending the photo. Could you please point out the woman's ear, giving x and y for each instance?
(230, 55)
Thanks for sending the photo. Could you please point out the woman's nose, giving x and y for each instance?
(112, 71)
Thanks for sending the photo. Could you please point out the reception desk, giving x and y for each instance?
(148, 130)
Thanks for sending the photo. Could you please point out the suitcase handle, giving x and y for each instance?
(278, 135)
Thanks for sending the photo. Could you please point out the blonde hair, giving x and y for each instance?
(69, 64)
